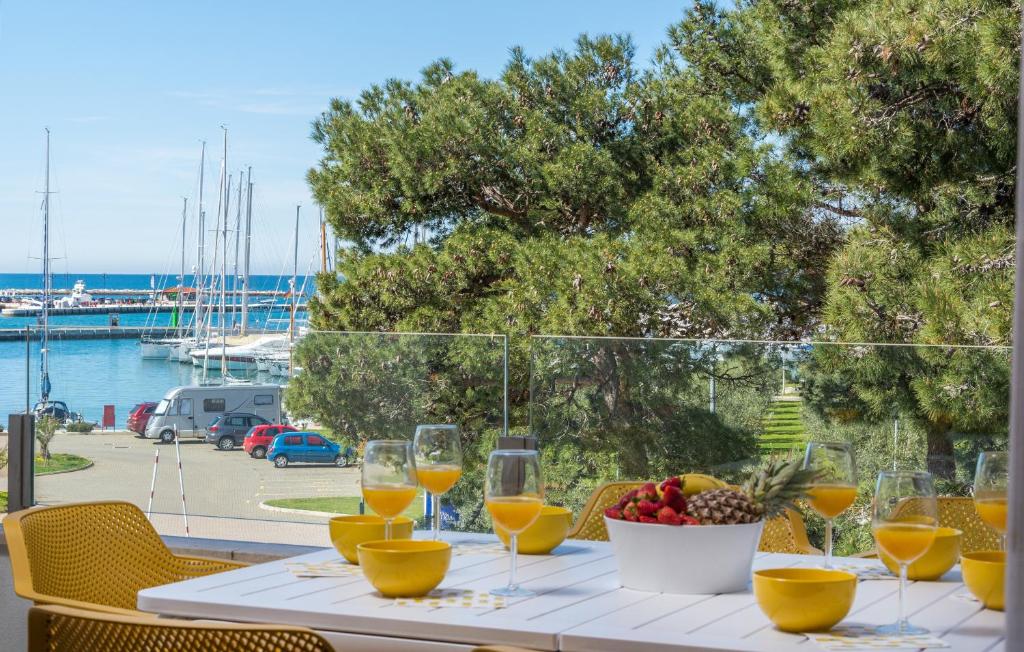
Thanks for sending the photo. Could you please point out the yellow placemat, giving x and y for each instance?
(455, 598)
(336, 568)
(853, 636)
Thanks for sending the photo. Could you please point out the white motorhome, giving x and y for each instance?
(189, 409)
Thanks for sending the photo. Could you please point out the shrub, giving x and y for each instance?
(81, 426)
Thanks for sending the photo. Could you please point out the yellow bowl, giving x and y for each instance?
(804, 599)
(347, 532)
(544, 535)
(942, 556)
(984, 573)
(404, 568)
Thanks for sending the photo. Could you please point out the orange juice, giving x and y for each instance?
(389, 500)
(992, 510)
(904, 541)
(831, 500)
(515, 513)
(438, 478)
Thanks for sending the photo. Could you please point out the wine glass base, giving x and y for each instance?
(902, 629)
(513, 592)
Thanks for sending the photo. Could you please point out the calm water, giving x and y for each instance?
(88, 374)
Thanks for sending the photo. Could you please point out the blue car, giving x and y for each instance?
(307, 447)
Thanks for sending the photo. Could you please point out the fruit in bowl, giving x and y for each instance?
(718, 527)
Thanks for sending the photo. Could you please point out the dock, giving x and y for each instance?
(102, 333)
(14, 310)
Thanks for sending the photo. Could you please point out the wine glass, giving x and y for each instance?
(834, 488)
(438, 464)
(905, 517)
(514, 495)
(389, 478)
(991, 483)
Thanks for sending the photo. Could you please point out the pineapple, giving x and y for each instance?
(764, 495)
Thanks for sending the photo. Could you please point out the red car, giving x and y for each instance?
(258, 439)
(138, 417)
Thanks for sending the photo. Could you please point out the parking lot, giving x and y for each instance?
(223, 489)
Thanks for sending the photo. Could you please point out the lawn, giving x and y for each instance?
(339, 505)
(60, 462)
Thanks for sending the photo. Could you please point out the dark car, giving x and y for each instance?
(307, 447)
(259, 438)
(228, 430)
(139, 415)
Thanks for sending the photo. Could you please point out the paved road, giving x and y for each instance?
(221, 487)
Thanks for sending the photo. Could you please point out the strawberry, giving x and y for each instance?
(673, 497)
(613, 512)
(686, 519)
(627, 499)
(674, 481)
(648, 519)
(649, 491)
(647, 508)
(630, 513)
(668, 516)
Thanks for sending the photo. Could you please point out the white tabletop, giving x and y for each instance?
(579, 607)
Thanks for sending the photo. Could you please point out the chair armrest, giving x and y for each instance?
(870, 554)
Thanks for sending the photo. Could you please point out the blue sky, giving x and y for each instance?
(130, 88)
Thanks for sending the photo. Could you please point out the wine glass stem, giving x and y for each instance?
(513, 547)
(435, 504)
(828, 543)
(902, 624)
(387, 529)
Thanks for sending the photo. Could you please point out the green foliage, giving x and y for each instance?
(46, 430)
(3, 458)
(785, 169)
(80, 426)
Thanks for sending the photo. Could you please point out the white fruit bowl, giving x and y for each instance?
(695, 559)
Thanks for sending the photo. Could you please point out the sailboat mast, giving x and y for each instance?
(234, 271)
(181, 278)
(44, 363)
(295, 274)
(197, 278)
(224, 266)
(248, 247)
(323, 242)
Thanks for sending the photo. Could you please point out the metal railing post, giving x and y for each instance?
(20, 462)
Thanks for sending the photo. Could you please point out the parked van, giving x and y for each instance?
(191, 409)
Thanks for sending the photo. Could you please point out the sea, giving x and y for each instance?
(90, 374)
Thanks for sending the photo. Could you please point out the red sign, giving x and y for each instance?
(108, 416)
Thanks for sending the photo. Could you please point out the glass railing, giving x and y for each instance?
(641, 409)
(600, 409)
(346, 388)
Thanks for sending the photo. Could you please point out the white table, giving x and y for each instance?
(580, 607)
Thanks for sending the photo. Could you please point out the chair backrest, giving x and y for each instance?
(100, 553)
(63, 629)
(958, 512)
(782, 534)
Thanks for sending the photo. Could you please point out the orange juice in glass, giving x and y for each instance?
(515, 513)
(834, 487)
(905, 515)
(389, 500)
(514, 496)
(438, 464)
(389, 478)
(991, 486)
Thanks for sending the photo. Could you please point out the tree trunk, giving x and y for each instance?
(941, 462)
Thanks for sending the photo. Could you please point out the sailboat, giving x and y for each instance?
(46, 407)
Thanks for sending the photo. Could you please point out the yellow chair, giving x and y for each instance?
(94, 556)
(781, 534)
(63, 629)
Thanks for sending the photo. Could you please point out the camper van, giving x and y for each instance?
(188, 410)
